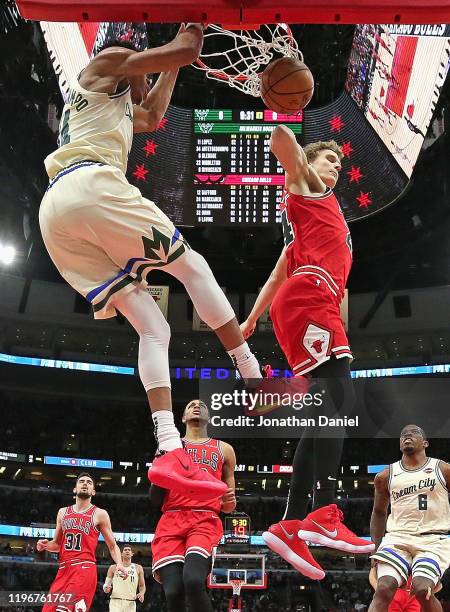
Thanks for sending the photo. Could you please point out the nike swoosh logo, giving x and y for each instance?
(288, 535)
(330, 534)
(186, 467)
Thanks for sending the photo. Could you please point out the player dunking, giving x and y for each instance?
(305, 289)
(105, 238)
(189, 531)
(413, 540)
(125, 591)
(77, 530)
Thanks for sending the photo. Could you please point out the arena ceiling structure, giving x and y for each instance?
(406, 240)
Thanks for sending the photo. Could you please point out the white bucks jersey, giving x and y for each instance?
(94, 126)
(419, 500)
(125, 589)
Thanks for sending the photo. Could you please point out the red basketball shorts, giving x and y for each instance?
(80, 579)
(404, 602)
(307, 323)
(180, 532)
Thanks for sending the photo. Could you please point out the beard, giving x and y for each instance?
(82, 495)
(409, 450)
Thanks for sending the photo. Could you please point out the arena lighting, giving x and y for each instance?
(7, 254)
(215, 373)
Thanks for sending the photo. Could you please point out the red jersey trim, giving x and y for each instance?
(93, 521)
(328, 191)
(77, 562)
(198, 550)
(219, 448)
(199, 443)
(308, 272)
(82, 511)
(314, 269)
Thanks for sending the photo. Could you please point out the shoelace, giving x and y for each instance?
(338, 516)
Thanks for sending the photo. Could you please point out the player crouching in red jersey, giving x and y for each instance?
(77, 530)
(189, 531)
(305, 291)
(404, 599)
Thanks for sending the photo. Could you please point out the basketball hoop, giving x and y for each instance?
(236, 585)
(238, 57)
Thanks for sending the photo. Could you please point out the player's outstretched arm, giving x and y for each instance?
(266, 295)
(289, 153)
(229, 465)
(149, 114)
(109, 577)
(55, 544)
(181, 51)
(104, 526)
(141, 593)
(380, 507)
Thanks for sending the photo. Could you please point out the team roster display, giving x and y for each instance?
(236, 178)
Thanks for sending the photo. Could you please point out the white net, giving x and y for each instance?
(237, 585)
(238, 57)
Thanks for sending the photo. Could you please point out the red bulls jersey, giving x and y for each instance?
(80, 536)
(317, 239)
(208, 456)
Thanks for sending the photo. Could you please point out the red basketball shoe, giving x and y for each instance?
(283, 539)
(325, 526)
(176, 471)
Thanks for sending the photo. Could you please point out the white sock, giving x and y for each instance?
(166, 433)
(245, 361)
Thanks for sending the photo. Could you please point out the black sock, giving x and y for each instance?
(316, 458)
(172, 581)
(335, 378)
(302, 479)
(196, 569)
(327, 456)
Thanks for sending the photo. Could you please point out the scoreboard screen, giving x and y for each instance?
(237, 529)
(236, 178)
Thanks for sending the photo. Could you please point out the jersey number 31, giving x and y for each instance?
(73, 541)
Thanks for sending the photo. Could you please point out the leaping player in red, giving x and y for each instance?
(305, 290)
(77, 530)
(188, 531)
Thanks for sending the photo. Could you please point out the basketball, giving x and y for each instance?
(286, 85)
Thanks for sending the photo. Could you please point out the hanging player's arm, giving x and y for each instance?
(266, 295)
(55, 544)
(109, 577)
(141, 584)
(229, 465)
(103, 524)
(380, 508)
(148, 115)
(107, 69)
(291, 156)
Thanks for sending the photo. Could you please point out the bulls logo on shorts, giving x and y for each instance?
(317, 341)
